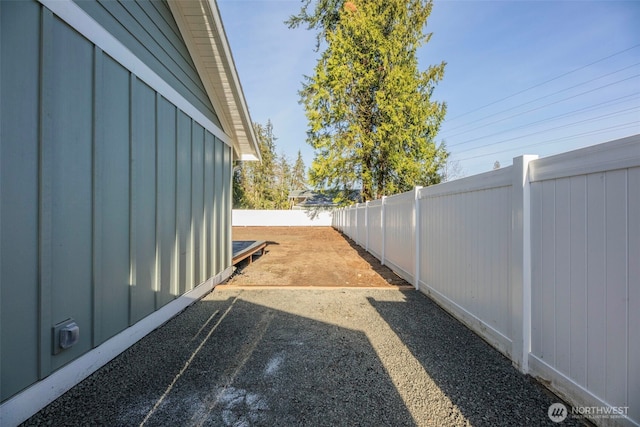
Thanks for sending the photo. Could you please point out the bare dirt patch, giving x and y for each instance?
(310, 256)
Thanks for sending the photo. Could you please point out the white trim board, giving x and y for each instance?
(77, 18)
(26, 403)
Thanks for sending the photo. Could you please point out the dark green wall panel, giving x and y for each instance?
(111, 212)
(143, 197)
(225, 195)
(183, 202)
(218, 205)
(161, 31)
(197, 203)
(19, 123)
(166, 207)
(70, 141)
(208, 204)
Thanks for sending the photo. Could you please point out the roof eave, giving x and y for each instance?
(201, 28)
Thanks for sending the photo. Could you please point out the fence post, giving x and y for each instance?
(355, 226)
(416, 231)
(521, 262)
(366, 226)
(352, 223)
(382, 229)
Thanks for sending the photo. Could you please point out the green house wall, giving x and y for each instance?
(113, 201)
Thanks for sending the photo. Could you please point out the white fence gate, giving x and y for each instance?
(541, 259)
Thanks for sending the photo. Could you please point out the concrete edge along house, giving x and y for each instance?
(120, 122)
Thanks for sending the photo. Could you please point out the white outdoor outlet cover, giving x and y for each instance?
(65, 335)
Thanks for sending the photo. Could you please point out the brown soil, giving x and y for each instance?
(310, 256)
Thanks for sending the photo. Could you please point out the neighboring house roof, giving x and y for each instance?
(318, 200)
(201, 27)
(308, 198)
(295, 194)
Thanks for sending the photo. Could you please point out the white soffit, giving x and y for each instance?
(201, 27)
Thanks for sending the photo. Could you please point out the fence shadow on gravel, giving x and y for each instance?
(384, 271)
(477, 379)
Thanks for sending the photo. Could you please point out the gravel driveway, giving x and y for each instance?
(316, 357)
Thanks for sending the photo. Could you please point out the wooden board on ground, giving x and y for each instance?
(244, 249)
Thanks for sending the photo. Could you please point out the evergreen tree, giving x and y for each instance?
(258, 178)
(239, 197)
(299, 174)
(283, 183)
(266, 184)
(372, 122)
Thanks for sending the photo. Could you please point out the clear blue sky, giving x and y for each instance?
(522, 77)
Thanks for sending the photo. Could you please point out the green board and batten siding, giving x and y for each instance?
(113, 200)
(20, 39)
(148, 30)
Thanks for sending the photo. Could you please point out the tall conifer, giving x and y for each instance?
(371, 118)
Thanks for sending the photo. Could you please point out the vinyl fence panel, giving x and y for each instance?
(541, 259)
(361, 221)
(465, 234)
(399, 234)
(585, 285)
(374, 224)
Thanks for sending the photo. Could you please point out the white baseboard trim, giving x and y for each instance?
(26, 403)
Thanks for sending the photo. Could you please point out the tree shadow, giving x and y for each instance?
(313, 212)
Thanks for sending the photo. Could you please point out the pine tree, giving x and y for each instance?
(266, 184)
(283, 183)
(258, 178)
(239, 196)
(299, 174)
(372, 122)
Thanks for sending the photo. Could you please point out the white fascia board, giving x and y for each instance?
(202, 30)
(79, 20)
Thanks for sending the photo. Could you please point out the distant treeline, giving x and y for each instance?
(267, 184)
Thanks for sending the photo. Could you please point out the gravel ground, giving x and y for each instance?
(316, 357)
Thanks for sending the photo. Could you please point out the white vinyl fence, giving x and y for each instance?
(541, 259)
(280, 218)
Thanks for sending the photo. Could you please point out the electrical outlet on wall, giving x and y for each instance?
(65, 335)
